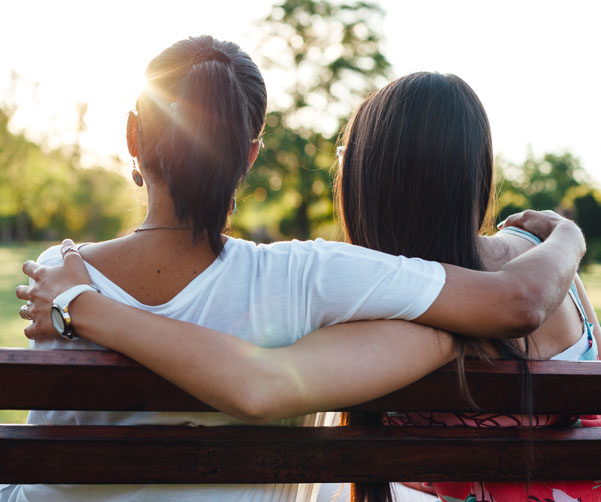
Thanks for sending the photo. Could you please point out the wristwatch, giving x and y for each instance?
(59, 313)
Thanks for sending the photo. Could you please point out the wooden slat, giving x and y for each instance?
(85, 380)
(103, 380)
(84, 454)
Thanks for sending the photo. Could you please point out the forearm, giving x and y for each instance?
(351, 363)
(330, 368)
(547, 271)
(338, 366)
(212, 366)
(515, 300)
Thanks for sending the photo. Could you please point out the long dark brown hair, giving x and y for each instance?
(416, 179)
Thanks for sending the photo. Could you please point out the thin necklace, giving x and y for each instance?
(143, 229)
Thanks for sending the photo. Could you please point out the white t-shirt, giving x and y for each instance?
(270, 295)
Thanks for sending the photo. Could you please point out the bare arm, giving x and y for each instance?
(518, 298)
(510, 302)
(324, 370)
(334, 366)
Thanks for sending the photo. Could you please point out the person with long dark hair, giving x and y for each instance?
(420, 151)
(195, 135)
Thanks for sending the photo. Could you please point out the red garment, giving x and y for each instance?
(534, 491)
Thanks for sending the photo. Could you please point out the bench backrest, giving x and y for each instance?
(103, 380)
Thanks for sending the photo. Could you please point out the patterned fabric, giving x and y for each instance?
(534, 491)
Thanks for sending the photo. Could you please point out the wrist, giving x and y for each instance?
(60, 314)
(90, 320)
(78, 309)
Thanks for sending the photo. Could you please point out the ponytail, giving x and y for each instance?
(205, 153)
(203, 106)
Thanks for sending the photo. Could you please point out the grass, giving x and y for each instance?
(11, 333)
(11, 259)
(591, 278)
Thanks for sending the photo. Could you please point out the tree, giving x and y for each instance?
(557, 182)
(330, 56)
(48, 195)
(584, 201)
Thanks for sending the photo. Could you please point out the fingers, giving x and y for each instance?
(517, 220)
(70, 254)
(32, 269)
(33, 332)
(38, 312)
(23, 292)
(73, 259)
(520, 219)
(539, 223)
(49, 283)
(68, 247)
(24, 312)
(29, 332)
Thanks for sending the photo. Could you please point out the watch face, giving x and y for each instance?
(57, 320)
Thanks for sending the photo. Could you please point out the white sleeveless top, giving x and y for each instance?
(270, 295)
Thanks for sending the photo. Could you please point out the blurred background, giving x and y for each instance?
(70, 72)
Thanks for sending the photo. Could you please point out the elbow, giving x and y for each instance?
(252, 414)
(264, 392)
(528, 310)
(529, 320)
(252, 405)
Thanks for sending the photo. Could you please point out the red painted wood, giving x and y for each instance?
(65, 379)
(104, 380)
(81, 454)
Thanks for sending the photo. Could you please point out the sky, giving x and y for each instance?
(534, 64)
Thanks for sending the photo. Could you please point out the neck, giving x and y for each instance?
(160, 211)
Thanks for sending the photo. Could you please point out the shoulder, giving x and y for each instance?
(320, 247)
(521, 233)
(504, 246)
(322, 254)
(332, 257)
(235, 246)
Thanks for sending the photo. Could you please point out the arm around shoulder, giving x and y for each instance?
(324, 370)
(515, 300)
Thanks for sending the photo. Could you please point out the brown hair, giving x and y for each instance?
(417, 179)
(203, 105)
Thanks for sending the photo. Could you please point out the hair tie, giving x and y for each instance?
(210, 54)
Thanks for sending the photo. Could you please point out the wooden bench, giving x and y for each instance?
(102, 380)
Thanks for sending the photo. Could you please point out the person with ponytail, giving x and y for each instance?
(226, 319)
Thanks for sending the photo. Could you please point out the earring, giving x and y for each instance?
(233, 206)
(136, 175)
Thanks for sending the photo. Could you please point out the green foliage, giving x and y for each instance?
(47, 195)
(555, 182)
(330, 54)
(11, 332)
(287, 194)
(591, 278)
(11, 259)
